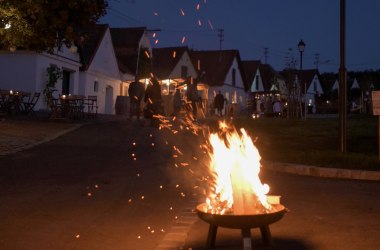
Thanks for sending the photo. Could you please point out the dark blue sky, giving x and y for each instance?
(252, 25)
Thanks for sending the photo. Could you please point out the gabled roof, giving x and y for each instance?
(126, 43)
(268, 75)
(87, 48)
(250, 69)
(306, 76)
(214, 65)
(165, 59)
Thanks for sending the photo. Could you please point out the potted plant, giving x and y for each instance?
(53, 74)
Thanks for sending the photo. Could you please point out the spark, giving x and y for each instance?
(182, 12)
(175, 156)
(183, 194)
(210, 24)
(161, 187)
(134, 158)
(198, 6)
(152, 144)
(170, 208)
(199, 22)
(156, 41)
(154, 35)
(184, 164)
(133, 154)
(176, 217)
(142, 197)
(139, 237)
(96, 186)
(155, 13)
(134, 144)
(147, 54)
(183, 39)
(138, 175)
(177, 186)
(130, 200)
(77, 236)
(162, 230)
(89, 194)
(174, 54)
(150, 135)
(195, 158)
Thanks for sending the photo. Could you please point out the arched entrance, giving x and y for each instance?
(108, 109)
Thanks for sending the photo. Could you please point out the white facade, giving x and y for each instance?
(314, 89)
(26, 71)
(257, 84)
(102, 78)
(233, 94)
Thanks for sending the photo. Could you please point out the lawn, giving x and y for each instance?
(316, 141)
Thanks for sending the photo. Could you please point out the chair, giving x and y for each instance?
(28, 105)
(53, 103)
(92, 105)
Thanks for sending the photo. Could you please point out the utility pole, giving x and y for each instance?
(266, 55)
(342, 79)
(316, 60)
(221, 37)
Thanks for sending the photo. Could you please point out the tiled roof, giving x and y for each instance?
(268, 75)
(92, 37)
(214, 64)
(165, 59)
(126, 43)
(250, 69)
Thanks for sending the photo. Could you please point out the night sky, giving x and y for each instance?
(252, 25)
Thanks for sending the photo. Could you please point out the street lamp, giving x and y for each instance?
(301, 49)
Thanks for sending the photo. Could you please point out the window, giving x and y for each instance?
(96, 86)
(234, 77)
(183, 72)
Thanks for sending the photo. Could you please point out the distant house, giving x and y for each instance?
(172, 66)
(307, 86)
(265, 85)
(222, 70)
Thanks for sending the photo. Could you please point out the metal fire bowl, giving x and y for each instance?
(240, 221)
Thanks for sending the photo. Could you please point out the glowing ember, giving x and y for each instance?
(235, 163)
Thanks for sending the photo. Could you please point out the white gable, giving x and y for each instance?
(257, 84)
(315, 86)
(336, 85)
(183, 61)
(355, 84)
(105, 62)
(238, 78)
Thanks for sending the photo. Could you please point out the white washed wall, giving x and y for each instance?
(184, 61)
(105, 71)
(26, 71)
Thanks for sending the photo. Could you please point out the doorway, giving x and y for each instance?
(108, 109)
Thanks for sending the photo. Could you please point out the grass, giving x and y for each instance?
(316, 141)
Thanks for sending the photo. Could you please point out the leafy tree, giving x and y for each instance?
(42, 25)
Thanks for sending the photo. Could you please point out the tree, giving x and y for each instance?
(42, 25)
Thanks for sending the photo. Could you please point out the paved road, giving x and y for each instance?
(93, 188)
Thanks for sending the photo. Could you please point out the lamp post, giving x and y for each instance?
(301, 49)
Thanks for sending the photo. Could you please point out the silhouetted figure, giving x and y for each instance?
(192, 96)
(136, 93)
(177, 102)
(219, 103)
(153, 100)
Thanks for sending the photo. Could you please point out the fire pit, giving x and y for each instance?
(243, 222)
(236, 197)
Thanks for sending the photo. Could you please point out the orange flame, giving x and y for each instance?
(235, 163)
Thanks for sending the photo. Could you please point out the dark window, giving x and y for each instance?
(234, 77)
(65, 82)
(96, 86)
(184, 72)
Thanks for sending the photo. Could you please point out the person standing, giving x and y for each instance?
(177, 101)
(153, 100)
(136, 94)
(219, 103)
(193, 97)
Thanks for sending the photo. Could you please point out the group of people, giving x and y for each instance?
(153, 99)
(151, 96)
